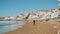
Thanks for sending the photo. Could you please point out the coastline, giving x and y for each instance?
(41, 27)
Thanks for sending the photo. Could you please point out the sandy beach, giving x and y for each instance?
(41, 27)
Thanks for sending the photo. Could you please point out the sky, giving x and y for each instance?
(16, 7)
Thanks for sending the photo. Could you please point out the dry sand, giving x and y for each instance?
(41, 27)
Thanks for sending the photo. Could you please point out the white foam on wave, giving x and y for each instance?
(12, 27)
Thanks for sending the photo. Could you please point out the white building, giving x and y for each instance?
(59, 4)
(6, 18)
(54, 13)
(33, 17)
(10, 18)
(13, 17)
(23, 15)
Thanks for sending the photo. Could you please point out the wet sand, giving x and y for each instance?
(41, 27)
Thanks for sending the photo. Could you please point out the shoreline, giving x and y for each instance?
(41, 27)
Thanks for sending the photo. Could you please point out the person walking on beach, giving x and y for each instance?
(34, 22)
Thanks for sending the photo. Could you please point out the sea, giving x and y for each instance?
(7, 26)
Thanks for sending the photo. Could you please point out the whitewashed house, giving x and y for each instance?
(12, 17)
(54, 14)
(33, 17)
(21, 16)
(7, 18)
